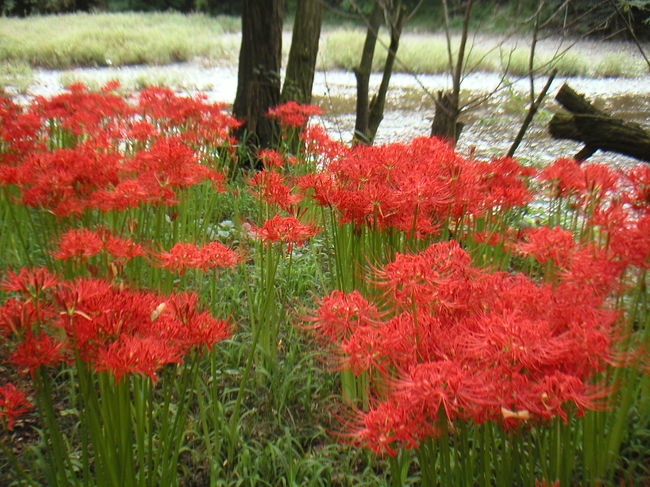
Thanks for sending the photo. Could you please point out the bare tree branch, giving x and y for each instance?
(632, 33)
(532, 110)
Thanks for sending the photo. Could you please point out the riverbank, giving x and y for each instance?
(122, 39)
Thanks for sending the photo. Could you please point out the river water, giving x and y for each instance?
(489, 128)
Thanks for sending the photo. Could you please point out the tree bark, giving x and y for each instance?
(445, 120)
(597, 129)
(378, 102)
(299, 77)
(258, 82)
(362, 74)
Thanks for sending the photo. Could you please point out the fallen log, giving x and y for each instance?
(597, 129)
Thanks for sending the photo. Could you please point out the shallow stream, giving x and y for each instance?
(489, 128)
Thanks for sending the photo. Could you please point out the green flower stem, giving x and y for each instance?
(59, 467)
(233, 436)
(22, 251)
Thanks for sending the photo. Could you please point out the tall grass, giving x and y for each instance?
(427, 53)
(64, 41)
(18, 75)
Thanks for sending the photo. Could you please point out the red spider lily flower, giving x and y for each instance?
(66, 179)
(324, 185)
(293, 114)
(318, 142)
(170, 161)
(31, 282)
(600, 179)
(415, 188)
(183, 256)
(69, 295)
(566, 176)
(444, 391)
(458, 343)
(111, 326)
(199, 328)
(362, 351)
(271, 188)
(271, 158)
(18, 316)
(139, 355)
(215, 254)
(285, 229)
(36, 351)
(559, 394)
(388, 427)
(489, 237)
(122, 248)
(440, 277)
(81, 244)
(19, 134)
(548, 244)
(339, 314)
(131, 193)
(80, 111)
(505, 181)
(636, 182)
(515, 341)
(142, 130)
(199, 123)
(594, 273)
(631, 243)
(97, 320)
(13, 404)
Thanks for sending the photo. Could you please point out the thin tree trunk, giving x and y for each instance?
(532, 110)
(258, 83)
(362, 73)
(301, 65)
(378, 102)
(445, 121)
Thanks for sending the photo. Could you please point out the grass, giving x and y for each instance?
(151, 77)
(427, 53)
(66, 41)
(16, 75)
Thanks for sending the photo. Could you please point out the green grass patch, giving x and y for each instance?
(64, 41)
(150, 77)
(427, 53)
(119, 39)
(15, 76)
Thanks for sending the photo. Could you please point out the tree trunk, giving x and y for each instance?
(379, 100)
(445, 120)
(362, 73)
(258, 82)
(532, 110)
(299, 78)
(597, 129)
